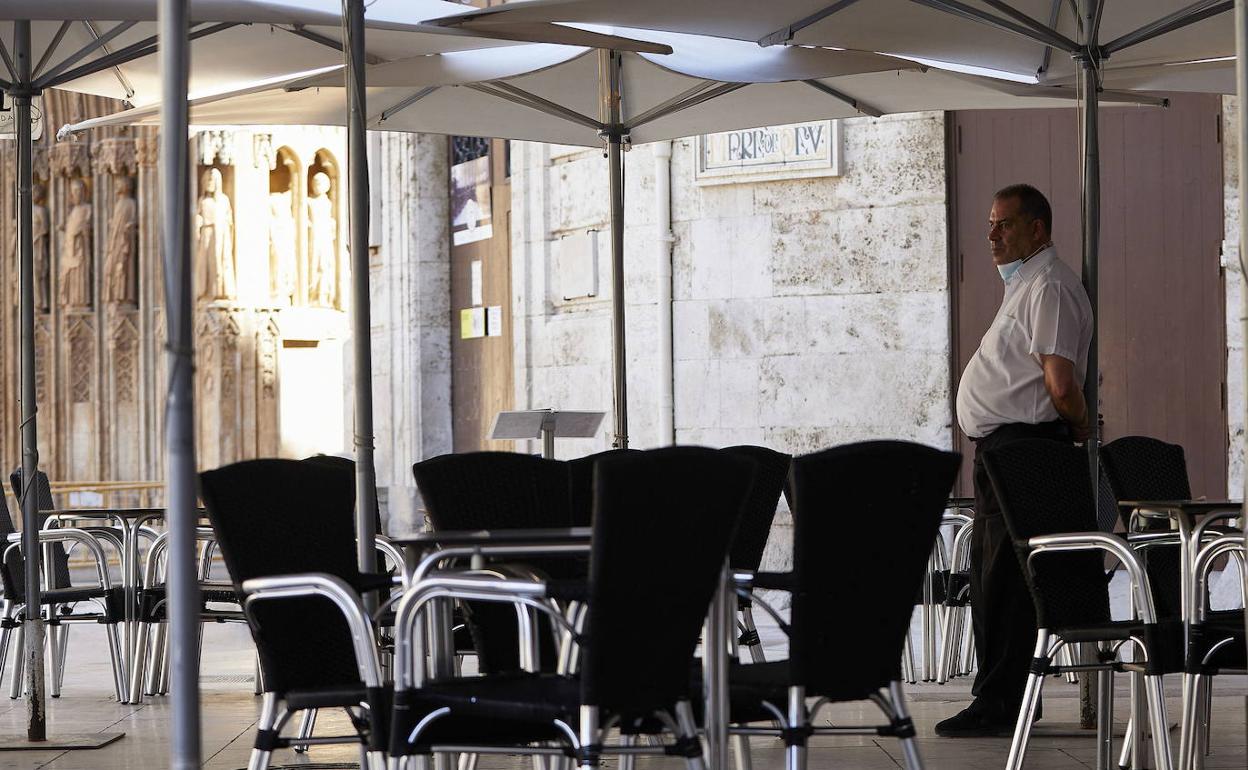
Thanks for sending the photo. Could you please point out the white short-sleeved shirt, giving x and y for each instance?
(1045, 311)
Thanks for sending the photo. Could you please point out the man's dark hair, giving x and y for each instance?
(1031, 203)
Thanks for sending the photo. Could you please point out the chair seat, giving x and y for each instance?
(750, 685)
(1165, 640)
(502, 709)
(1219, 626)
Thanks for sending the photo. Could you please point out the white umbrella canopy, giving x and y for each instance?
(942, 30)
(238, 41)
(459, 92)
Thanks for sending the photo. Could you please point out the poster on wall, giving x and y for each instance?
(470, 201)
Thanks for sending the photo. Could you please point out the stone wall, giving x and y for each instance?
(410, 283)
(807, 312)
(1234, 276)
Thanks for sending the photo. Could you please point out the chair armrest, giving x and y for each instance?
(344, 598)
(409, 644)
(395, 554)
(1208, 554)
(1108, 543)
(77, 537)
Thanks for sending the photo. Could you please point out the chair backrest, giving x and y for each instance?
(865, 517)
(493, 490)
(43, 494)
(581, 485)
(13, 569)
(663, 521)
(1044, 488)
(348, 465)
(1144, 468)
(281, 517)
(760, 510)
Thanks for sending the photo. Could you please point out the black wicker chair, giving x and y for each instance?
(500, 490)
(1144, 468)
(1047, 501)
(747, 549)
(60, 600)
(854, 556)
(286, 530)
(680, 507)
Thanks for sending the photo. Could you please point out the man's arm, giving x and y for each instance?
(1067, 396)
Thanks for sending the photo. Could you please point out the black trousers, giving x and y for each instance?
(1002, 613)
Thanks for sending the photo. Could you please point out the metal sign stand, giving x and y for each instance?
(546, 424)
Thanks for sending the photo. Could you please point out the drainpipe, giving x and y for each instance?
(663, 270)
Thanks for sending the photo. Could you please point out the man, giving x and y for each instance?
(1024, 381)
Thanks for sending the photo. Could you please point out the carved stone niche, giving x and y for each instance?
(217, 341)
(116, 156)
(71, 159)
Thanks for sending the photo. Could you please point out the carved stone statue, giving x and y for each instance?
(214, 240)
(282, 246)
(76, 249)
(119, 264)
(40, 233)
(322, 239)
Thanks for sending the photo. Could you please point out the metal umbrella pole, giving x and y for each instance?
(36, 718)
(609, 64)
(182, 515)
(361, 315)
(1241, 89)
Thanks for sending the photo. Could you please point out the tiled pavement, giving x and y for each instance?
(230, 711)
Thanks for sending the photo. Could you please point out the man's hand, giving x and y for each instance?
(1067, 396)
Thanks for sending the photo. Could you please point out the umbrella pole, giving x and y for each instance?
(36, 717)
(182, 513)
(1091, 253)
(609, 84)
(361, 317)
(1241, 89)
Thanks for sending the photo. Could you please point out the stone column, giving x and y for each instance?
(74, 328)
(116, 165)
(151, 293)
(218, 396)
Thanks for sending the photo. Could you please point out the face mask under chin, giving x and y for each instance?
(1007, 271)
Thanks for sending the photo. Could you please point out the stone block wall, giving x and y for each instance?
(1235, 309)
(410, 283)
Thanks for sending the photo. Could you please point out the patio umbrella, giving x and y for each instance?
(552, 94)
(1081, 41)
(107, 49)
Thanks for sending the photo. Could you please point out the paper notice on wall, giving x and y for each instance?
(471, 201)
(477, 292)
(494, 321)
(471, 323)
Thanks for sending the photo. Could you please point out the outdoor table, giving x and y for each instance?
(428, 549)
(131, 522)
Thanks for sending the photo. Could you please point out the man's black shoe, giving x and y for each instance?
(974, 722)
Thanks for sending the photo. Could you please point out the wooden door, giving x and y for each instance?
(1162, 307)
(481, 373)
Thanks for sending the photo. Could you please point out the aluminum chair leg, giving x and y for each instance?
(5, 633)
(54, 654)
(270, 718)
(628, 761)
(968, 642)
(469, 761)
(1160, 724)
(1206, 714)
(118, 660)
(588, 735)
(139, 662)
(64, 650)
(909, 746)
(307, 724)
(688, 731)
(1104, 718)
(153, 656)
(751, 630)
(19, 664)
(907, 660)
(1027, 711)
(1187, 724)
(795, 753)
(741, 751)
